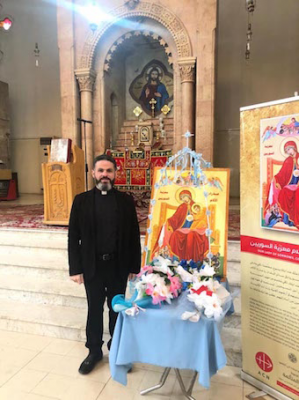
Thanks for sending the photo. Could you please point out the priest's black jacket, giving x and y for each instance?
(82, 235)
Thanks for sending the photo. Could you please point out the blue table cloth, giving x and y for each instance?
(159, 336)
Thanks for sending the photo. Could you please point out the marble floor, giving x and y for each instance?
(24, 200)
(34, 367)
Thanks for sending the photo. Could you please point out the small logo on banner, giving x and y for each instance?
(264, 361)
(292, 358)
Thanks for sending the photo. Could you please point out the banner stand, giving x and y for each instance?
(262, 386)
(269, 211)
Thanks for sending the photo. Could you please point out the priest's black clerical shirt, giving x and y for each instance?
(106, 222)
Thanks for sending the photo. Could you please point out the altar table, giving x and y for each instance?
(159, 336)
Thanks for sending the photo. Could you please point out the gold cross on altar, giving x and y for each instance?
(152, 103)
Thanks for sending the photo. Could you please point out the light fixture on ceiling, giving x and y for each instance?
(250, 6)
(6, 21)
(94, 15)
(6, 24)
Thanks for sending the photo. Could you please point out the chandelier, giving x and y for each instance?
(250, 6)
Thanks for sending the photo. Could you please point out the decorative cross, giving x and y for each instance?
(187, 136)
(152, 103)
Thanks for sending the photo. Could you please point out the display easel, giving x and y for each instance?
(62, 182)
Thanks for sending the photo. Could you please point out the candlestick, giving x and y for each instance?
(132, 138)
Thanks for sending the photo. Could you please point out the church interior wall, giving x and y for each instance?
(271, 73)
(4, 126)
(115, 87)
(34, 91)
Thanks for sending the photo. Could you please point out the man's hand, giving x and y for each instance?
(131, 276)
(147, 92)
(157, 94)
(77, 278)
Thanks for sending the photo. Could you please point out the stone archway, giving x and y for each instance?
(185, 62)
(151, 10)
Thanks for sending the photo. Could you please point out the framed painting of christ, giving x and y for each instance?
(279, 169)
(153, 87)
(187, 222)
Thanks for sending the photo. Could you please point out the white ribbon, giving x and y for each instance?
(191, 316)
(133, 311)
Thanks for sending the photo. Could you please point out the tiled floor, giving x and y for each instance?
(36, 367)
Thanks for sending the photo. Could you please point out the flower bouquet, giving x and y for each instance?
(204, 290)
(156, 283)
(162, 281)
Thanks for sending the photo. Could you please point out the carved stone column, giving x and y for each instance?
(68, 85)
(86, 78)
(187, 72)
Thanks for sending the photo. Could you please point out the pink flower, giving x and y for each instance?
(157, 299)
(146, 268)
(149, 289)
(175, 285)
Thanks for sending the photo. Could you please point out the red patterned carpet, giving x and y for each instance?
(31, 217)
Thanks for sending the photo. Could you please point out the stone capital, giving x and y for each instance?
(86, 78)
(187, 69)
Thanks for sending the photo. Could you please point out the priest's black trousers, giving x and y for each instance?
(106, 283)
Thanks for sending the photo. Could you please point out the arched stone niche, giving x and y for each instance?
(90, 75)
(118, 78)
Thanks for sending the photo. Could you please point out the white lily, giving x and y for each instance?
(210, 304)
(162, 264)
(186, 276)
(207, 271)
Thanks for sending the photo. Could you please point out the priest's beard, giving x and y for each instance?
(104, 186)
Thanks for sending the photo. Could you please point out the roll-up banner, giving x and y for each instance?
(270, 246)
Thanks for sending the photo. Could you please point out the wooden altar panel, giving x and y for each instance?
(135, 169)
(62, 182)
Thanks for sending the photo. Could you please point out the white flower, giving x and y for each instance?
(207, 271)
(210, 303)
(186, 276)
(213, 311)
(162, 264)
